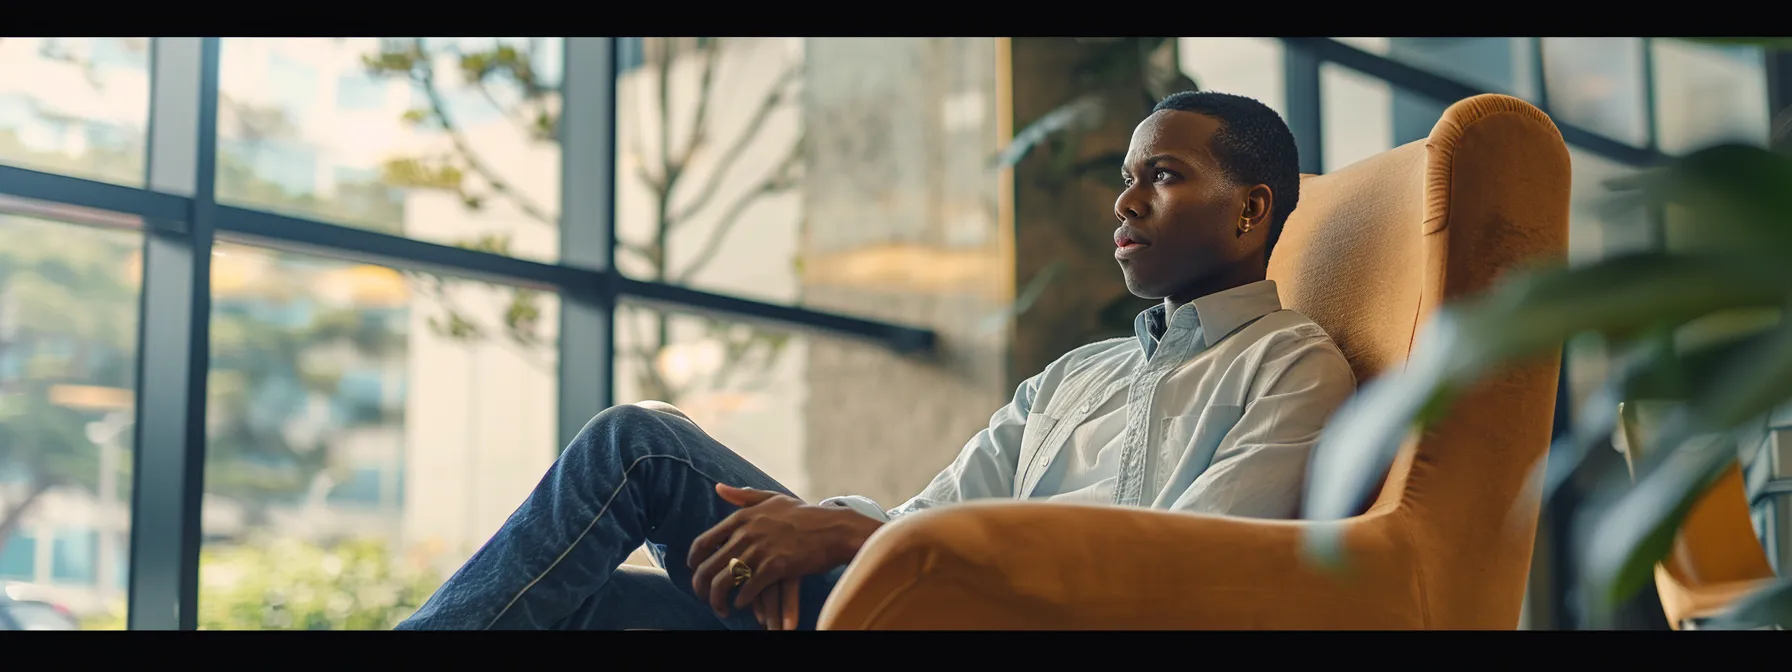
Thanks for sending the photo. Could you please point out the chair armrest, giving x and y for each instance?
(1036, 565)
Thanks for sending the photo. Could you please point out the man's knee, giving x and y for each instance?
(635, 415)
(662, 407)
(648, 426)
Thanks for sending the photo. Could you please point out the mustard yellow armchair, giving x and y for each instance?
(1716, 559)
(1372, 250)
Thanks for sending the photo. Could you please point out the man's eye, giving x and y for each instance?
(1161, 174)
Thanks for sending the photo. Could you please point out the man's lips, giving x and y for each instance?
(1128, 243)
(1125, 236)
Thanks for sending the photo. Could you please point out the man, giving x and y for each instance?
(1214, 407)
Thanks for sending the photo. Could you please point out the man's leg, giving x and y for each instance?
(644, 598)
(634, 474)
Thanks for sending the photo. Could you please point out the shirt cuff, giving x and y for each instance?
(863, 505)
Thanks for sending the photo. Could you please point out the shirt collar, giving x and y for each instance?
(1217, 315)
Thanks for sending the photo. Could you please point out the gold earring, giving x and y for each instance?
(1244, 225)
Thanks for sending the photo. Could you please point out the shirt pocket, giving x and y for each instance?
(1039, 427)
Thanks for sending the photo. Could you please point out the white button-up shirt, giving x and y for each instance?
(1215, 410)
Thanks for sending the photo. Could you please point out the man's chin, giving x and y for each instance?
(1143, 292)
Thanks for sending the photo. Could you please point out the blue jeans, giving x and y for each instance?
(635, 474)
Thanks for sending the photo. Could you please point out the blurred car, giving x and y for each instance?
(27, 607)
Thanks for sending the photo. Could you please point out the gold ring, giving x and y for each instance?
(742, 573)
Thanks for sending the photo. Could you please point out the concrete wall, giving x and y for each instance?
(902, 222)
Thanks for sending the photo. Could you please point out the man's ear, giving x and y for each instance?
(1259, 201)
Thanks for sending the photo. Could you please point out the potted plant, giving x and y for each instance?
(1698, 334)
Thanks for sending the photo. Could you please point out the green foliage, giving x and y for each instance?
(417, 173)
(1657, 309)
(292, 585)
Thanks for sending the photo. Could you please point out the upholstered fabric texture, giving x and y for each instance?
(1372, 250)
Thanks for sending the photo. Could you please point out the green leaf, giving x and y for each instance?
(1768, 607)
(545, 125)
(419, 174)
(1726, 384)
(1363, 436)
(1080, 114)
(1740, 196)
(1530, 315)
(1748, 382)
(1621, 297)
(1653, 372)
(1593, 422)
(1638, 530)
(476, 65)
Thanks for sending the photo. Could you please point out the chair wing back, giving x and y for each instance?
(1374, 248)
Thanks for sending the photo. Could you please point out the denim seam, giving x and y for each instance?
(588, 527)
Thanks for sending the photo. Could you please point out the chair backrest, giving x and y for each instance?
(1371, 251)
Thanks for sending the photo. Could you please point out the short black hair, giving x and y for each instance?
(1253, 146)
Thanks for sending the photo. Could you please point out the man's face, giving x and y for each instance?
(1180, 216)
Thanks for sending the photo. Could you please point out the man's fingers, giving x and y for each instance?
(718, 593)
(771, 602)
(715, 565)
(743, 497)
(792, 608)
(705, 544)
(764, 578)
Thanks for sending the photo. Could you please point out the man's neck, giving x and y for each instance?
(1218, 282)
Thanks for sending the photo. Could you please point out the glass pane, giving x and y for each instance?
(449, 140)
(1493, 64)
(1595, 232)
(1246, 66)
(1705, 95)
(368, 430)
(72, 558)
(18, 555)
(743, 383)
(68, 361)
(822, 415)
(75, 105)
(1356, 116)
(1596, 83)
(820, 167)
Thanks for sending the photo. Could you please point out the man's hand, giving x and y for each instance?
(782, 540)
(778, 607)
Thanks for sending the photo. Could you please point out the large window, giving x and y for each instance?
(373, 314)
